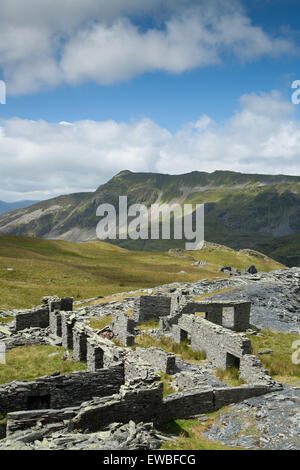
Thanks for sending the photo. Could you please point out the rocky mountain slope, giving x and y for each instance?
(261, 212)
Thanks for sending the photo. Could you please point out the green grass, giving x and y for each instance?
(100, 323)
(149, 325)
(279, 363)
(26, 363)
(180, 349)
(224, 256)
(230, 376)
(5, 320)
(86, 270)
(167, 382)
(190, 435)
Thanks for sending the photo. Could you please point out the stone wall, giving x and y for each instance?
(55, 323)
(160, 360)
(67, 324)
(223, 347)
(135, 368)
(37, 317)
(215, 312)
(60, 391)
(184, 405)
(55, 303)
(252, 372)
(147, 307)
(137, 402)
(123, 328)
(95, 356)
(80, 337)
(142, 402)
(227, 396)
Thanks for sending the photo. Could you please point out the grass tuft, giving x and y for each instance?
(167, 344)
(167, 382)
(230, 376)
(100, 323)
(152, 324)
(4, 320)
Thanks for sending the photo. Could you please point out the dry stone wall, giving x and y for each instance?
(220, 344)
(160, 360)
(147, 307)
(138, 402)
(252, 371)
(60, 391)
(37, 317)
(123, 328)
(146, 403)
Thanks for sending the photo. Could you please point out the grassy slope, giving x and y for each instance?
(279, 363)
(26, 363)
(85, 270)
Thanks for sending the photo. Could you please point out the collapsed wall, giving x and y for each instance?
(148, 307)
(159, 360)
(60, 391)
(146, 404)
(123, 328)
(20, 420)
(223, 347)
(39, 317)
(137, 402)
(136, 368)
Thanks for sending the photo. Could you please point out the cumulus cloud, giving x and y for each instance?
(59, 41)
(40, 160)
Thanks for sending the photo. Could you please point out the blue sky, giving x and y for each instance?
(185, 85)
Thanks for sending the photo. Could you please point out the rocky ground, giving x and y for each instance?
(268, 422)
(275, 299)
(191, 376)
(57, 437)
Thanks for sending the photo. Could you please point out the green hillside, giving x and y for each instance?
(32, 268)
(260, 212)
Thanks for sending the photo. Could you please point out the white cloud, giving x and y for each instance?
(40, 159)
(43, 44)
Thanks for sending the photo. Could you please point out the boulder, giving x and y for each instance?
(252, 270)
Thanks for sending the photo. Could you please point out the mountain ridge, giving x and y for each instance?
(259, 212)
(11, 206)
